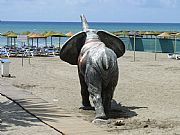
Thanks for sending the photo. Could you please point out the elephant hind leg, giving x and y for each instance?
(86, 105)
(107, 97)
(97, 100)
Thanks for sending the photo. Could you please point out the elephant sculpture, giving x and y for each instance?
(95, 52)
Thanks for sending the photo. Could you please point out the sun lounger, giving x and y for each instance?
(177, 56)
(173, 56)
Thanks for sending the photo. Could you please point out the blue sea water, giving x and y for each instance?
(74, 27)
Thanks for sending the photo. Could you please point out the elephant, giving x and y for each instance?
(95, 53)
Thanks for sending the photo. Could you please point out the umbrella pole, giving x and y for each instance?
(28, 41)
(37, 42)
(46, 42)
(14, 41)
(59, 42)
(11, 42)
(32, 41)
(155, 48)
(51, 40)
(134, 47)
(7, 41)
(59, 45)
(175, 45)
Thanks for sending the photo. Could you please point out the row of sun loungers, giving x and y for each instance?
(28, 51)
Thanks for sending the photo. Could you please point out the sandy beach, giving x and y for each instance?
(146, 98)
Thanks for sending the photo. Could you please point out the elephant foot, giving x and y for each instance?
(86, 108)
(102, 117)
(101, 121)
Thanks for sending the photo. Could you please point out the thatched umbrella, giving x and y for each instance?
(164, 35)
(54, 34)
(176, 35)
(36, 36)
(141, 33)
(69, 34)
(119, 33)
(134, 33)
(11, 35)
(152, 33)
(49, 34)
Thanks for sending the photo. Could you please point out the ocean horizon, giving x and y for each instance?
(21, 26)
(65, 27)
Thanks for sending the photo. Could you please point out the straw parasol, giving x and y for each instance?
(164, 35)
(119, 33)
(69, 34)
(34, 35)
(141, 33)
(11, 35)
(54, 34)
(176, 35)
(134, 33)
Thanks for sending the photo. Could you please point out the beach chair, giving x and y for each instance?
(171, 56)
(177, 56)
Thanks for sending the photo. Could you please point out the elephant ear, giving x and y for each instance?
(112, 42)
(72, 47)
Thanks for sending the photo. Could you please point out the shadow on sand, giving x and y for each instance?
(119, 111)
(12, 115)
(26, 113)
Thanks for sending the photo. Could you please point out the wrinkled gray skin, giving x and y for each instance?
(98, 73)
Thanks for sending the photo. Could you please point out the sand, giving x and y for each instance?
(146, 99)
(15, 121)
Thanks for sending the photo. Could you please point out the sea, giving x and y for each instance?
(74, 27)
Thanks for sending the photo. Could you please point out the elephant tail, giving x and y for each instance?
(105, 62)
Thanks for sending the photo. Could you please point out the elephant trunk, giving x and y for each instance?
(84, 23)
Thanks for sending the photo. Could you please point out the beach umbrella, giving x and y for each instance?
(164, 35)
(34, 35)
(176, 35)
(141, 33)
(118, 33)
(134, 34)
(150, 33)
(49, 34)
(156, 33)
(59, 35)
(155, 52)
(69, 34)
(10, 35)
(54, 34)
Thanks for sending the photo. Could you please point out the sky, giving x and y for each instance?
(153, 11)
